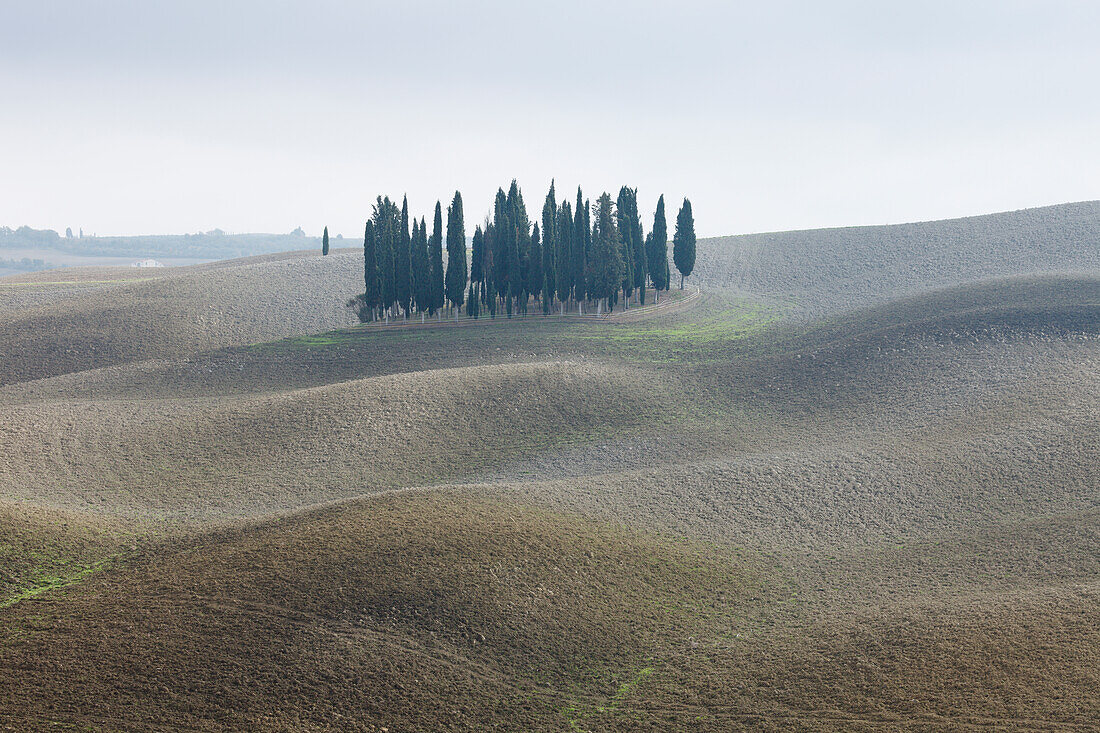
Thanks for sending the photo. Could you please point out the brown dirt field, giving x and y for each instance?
(193, 309)
(706, 519)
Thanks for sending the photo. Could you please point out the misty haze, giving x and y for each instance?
(697, 366)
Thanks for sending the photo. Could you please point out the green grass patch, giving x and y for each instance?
(577, 712)
(43, 580)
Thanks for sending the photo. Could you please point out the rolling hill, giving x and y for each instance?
(883, 517)
(828, 270)
(64, 321)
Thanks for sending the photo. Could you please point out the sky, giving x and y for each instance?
(147, 116)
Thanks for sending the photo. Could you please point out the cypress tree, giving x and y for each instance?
(324, 243)
(640, 265)
(456, 253)
(519, 242)
(473, 305)
(477, 257)
(580, 249)
(488, 286)
(549, 249)
(372, 292)
(563, 274)
(499, 249)
(683, 242)
(402, 263)
(622, 223)
(386, 222)
(534, 267)
(634, 248)
(421, 280)
(657, 252)
(436, 293)
(605, 263)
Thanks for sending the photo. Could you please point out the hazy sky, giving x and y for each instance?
(141, 116)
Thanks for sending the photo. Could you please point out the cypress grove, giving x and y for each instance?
(574, 253)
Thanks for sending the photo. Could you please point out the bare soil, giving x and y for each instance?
(714, 518)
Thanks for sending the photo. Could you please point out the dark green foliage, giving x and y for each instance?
(324, 243)
(477, 256)
(517, 241)
(634, 248)
(513, 260)
(456, 252)
(534, 269)
(490, 292)
(498, 245)
(579, 247)
(421, 280)
(402, 261)
(473, 303)
(605, 262)
(563, 275)
(550, 247)
(387, 221)
(657, 251)
(372, 293)
(436, 293)
(683, 242)
(622, 212)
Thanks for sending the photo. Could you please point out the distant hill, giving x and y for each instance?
(213, 245)
(827, 270)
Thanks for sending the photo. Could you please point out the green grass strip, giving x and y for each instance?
(56, 582)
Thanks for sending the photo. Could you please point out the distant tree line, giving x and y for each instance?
(211, 245)
(575, 255)
(25, 264)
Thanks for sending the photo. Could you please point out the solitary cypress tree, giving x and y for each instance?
(372, 292)
(402, 261)
(657, 252)
(324, 243)
(437, 293)
(605, 263)
(683, 242)
(456, 252)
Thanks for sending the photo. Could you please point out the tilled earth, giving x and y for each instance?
(704, 520)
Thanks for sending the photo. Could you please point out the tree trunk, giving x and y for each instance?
(681, 281)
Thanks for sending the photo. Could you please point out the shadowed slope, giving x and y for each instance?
(416, 611)
(445, 610)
